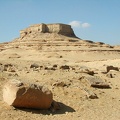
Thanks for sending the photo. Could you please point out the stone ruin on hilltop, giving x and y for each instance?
(58, 28)
(50, 37)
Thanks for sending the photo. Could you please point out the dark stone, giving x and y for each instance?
(34, 66)
(112, 68)
(65, 67)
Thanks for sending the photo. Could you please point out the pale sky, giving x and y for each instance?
(96, 20)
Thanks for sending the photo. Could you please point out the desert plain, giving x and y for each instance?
(75, 70)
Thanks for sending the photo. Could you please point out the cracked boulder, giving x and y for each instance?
(23, 95)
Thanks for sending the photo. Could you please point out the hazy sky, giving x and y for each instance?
(97, 20)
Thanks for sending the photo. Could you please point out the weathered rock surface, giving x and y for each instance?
(96, 82)
(19, 94)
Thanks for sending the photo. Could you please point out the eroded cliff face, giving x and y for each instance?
(62, 29)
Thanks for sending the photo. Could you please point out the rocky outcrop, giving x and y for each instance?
(19, 94)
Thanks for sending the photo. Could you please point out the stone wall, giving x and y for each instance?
(48, 28)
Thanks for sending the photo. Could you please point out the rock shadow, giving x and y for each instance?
(63, 109)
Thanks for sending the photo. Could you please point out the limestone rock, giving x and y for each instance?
(19, 94)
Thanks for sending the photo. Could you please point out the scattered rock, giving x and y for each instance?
(96, 82)
(61, 56)
(41, 66)
(84, 69)
(9, 68)
(100, 85)
(34, 66)
(6, 66)
(90, 94)
(55, 66)
(73, 68)
(1, 68)
(60, 84)
(112, 68)
(109, 75)
(113, 74)
(19, 94)
(50, 68)
(65, 67)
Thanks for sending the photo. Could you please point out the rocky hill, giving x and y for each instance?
(53, 37)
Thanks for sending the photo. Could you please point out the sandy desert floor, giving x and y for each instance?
(67, 85)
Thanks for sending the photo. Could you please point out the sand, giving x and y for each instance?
(74, 102)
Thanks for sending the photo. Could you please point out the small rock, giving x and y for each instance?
(60, 84)
(6, 66)
(73, 68)
(112, 68)
(84, 69)
(90, 94)
(55, 66)
(11, 69)
(65, 67)
(109, 75)
(50, 68)
(93, 96)
(34, 66)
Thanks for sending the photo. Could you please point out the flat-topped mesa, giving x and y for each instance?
(58, 28)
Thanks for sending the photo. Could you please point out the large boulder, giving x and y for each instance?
(19, 94)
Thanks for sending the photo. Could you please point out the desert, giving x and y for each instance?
(83, 75)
